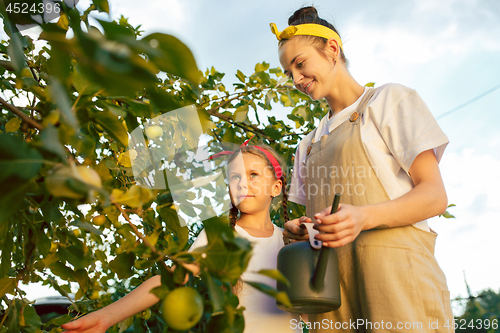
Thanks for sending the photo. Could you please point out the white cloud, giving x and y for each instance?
(388, 48)
(169, 16)
(470, 243)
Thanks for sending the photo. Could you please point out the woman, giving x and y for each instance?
(380, 149)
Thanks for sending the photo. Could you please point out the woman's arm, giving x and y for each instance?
(427, 199)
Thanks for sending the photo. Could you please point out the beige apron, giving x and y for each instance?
(389, 278)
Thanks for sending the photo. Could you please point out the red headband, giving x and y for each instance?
(277, 168)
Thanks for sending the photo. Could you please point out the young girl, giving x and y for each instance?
(380, 149)
(255, 178)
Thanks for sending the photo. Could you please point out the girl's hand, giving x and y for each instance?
(295, 231)
(340, 228)
(91, 323)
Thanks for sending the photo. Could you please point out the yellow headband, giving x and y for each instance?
(309, 29)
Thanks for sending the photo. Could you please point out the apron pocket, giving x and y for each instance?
(388, 287)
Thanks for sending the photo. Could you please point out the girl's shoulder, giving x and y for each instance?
(278, 230)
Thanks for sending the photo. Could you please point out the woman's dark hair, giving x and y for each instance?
(309, 14)
(233, 212)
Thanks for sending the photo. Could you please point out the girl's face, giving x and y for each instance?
(310, 70)
(252, 183)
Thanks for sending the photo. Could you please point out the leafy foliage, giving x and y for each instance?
(69, 103)
(481, 312)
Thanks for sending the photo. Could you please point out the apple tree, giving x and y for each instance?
(73, 215)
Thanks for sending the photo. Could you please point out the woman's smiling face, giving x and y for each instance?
(309, 69)
(251, 183)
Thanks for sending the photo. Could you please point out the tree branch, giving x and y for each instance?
(251, 128)
(141, 236)
(21, 115)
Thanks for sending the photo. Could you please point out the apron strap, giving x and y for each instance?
(359, 112)
(364, 103)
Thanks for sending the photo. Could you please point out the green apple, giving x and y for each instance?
(99, 220)
(182, 308)
(95, 295)
(154, 132)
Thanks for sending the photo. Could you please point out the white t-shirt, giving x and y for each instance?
(395, 128)
(261, 313)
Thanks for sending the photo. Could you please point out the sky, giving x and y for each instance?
(447, 50)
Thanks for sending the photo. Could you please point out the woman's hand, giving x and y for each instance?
(92, 323)
(340, 228)
(295, 231)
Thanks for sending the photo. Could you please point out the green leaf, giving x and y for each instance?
(19, 164)
(75, 255)
(87, 226)
(172, 56)
(280, 296)
(164, 100)
(13, 125)
(370, 84)
(111, 124)
(240, 76)
(135, 196)
(215, 292)
(58, 321)
(261, 67)
(82, 83)
(275, 274)
(167, 279)
(122, 265)
(447, 215)
(101, 5)
(8, 245)
(161, 292)
(49, 139)
(61, 270)
(272, 132)
(125, 324)
(15, 49)
(139, 109)
(82, 278)
(7, 286)
(31, 319)
(17, 160)
(60, 97)
(116, 31)
(240, 115)
(63, 22)
(59, 65)
(169, 216)
(61, 290)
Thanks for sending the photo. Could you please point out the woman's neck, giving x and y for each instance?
(345, 91)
